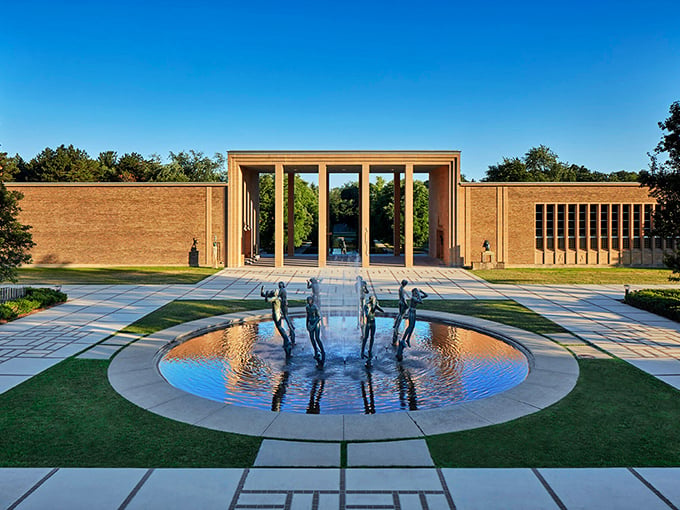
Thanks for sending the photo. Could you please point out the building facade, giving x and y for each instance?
(525, 224)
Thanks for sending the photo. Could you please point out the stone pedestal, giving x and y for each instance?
(487, 261)
(193, 258)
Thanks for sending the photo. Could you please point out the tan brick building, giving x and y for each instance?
(525, 224)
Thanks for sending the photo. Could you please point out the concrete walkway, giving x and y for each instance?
(321, 489)
(593, 314)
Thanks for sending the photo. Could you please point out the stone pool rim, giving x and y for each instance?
(134, 374)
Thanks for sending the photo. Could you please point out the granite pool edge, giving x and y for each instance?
(134, 374)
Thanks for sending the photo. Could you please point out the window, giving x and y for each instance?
(636, 226)
(560, 226)
(626, 226)
(572, 226)
(539, 226)
(593, 227)
(550, 226)
(583, 222)
(615, 226)
(604, 226)
(648, 226)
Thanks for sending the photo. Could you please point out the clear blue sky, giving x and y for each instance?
(492, 79)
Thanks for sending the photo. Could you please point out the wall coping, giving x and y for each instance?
(118, 184)
(569, 184)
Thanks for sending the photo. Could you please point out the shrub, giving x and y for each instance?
(664, 302)
(33, 300)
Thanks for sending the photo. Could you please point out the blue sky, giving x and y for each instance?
(589, 79)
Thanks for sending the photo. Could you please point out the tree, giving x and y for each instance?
(64, 164)
(197, 167)
(306, 212)
(663, 179)
(15, 238)
(541, 164)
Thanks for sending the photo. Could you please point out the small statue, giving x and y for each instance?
(283, 295)
(361, 288)
(369, 312)
(315, 285)
(272, 296)
(314, 328)
(403, 307)
(486, 245)
(417, 297)
(194, 244)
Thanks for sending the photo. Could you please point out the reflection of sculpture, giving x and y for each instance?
(314, 328)
(403, 307)
(367, 394)
(272, 296)
(343, 246)
(315, 285)
(283, 295)
(407, 389)
(361, 288)
(314, 406)
(280, 391)
(417, 297)
(369, 329)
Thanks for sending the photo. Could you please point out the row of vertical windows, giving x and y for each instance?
(566, 225)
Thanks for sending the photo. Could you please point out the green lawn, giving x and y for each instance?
(113, 275)
(70, 416)
(568, 275)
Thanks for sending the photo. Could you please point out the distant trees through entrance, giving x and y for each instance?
(343, 215)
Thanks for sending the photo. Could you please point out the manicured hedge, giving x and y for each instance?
(33, 300)
(664, 302)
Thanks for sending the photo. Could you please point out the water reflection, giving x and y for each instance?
(314, 406)
(244, 365)
(407, 389)
(367, 393)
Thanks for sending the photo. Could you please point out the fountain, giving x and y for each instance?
(333, 373)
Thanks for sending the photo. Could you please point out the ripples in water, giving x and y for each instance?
(245, 365)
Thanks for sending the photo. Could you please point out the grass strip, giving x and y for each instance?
(70, 415)
(616, 416)
(576, 275)
(113, 275)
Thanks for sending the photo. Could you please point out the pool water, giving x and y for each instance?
(245, 365)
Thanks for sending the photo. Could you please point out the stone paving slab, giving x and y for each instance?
(275, 453)
(82, 488)
(601, 488)
(99, 352)
(507, 489)
(413, 452)
(179, 489)
(15, 482)
(7, 382)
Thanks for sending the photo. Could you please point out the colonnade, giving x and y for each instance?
(242, 218)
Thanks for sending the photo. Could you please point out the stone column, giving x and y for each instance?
(365, 217)
(408, 215)
(291, 214)
(234, 217)
(278, 215)
(323, 223)
(397, 213)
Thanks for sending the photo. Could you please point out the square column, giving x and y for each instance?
(291, 214)
(323, 224)
(278, 215)
(397, 213)
(365, 217)
(408, 215)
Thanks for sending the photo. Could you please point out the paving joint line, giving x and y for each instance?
(548, 488)
(652, 488)
(32, 489)
(136, 489)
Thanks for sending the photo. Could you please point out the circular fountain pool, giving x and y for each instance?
(244, 364)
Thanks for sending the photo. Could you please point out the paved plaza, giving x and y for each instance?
(307, 475)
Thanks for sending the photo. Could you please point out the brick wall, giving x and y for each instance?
(505, 215)
(123, 223)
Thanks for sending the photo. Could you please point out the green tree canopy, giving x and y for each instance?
(15, 238)
(663, 179)
(541, 164)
